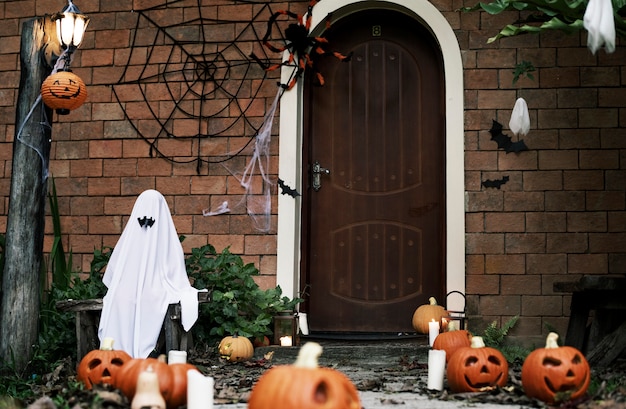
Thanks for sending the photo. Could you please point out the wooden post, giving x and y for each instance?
(20, 304)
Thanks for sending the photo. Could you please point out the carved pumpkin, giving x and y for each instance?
(63, 91)
(101, 366)
(555, 374)
(426, 313)
(451, 340)
(235, 348)
(304, 385)
(474, 368)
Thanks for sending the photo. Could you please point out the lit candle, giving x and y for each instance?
(433, 331)
(285, 341)
(444, 324)
(436, 368)
(199, 390)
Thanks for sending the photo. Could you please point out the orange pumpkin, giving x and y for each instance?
(426, 313)
(235, 348)
(474, 368)
(178, 395)
(304, 385)
(555, 374)
(172, 379)
(451, 340)
(126, 380)
(101, 366)
(63, 91)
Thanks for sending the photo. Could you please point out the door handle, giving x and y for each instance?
(317, 171)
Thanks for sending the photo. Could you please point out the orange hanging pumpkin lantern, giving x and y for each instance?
(63, 92)
(555, 374)
(473, 368)
(101, 366)
(304, 385)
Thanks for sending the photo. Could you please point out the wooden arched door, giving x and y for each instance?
(373, 225)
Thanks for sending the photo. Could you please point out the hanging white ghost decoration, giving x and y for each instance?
(520, 120)
(146, 273)
(600, 25)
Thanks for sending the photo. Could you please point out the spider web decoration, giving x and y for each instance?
(190, 76)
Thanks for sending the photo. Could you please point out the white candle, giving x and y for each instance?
(433, 331)
(285, 341)
(176, 357)
(199, 390)
(436, 368)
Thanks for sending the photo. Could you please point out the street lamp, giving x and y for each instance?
(70, 25)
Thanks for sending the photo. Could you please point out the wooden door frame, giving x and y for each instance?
(291, 139)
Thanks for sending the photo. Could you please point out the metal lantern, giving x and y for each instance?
(63, 91)
(71, 25)
(285, 329)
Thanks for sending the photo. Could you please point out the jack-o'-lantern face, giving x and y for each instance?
(555, 374)
(472, 369)
(63, 91)
(101, 366)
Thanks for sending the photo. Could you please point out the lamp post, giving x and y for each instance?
(19, 305)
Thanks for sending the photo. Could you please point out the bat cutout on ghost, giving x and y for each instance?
(145, 221)
(286, 190)
(497, 183)
(504, 141)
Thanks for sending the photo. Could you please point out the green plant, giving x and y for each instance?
(542, 15)
(238, 306)
(495, 337)
(525, 68)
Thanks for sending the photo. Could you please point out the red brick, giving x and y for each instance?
(546, 222)
(565, 201)
(566, 243)
(475, 264)
(598, 118)
(607, 242)
(549, 160)
(484, 243)
(517, 243)
(579, 139)
(517, 161)
(485, 201)
(583, 180)
(483, 284)
(103, 186)
(523, 201)
(557, 118)
(587, 222)
(88, 167)
(543, 180)
(588, 263)
(599, 76)
(520, 285)
(505, 264)
(495, 99)
(542, 305)
(474, 222)
(119, 167)
(545, 264)
(504, 222)
(499, 305)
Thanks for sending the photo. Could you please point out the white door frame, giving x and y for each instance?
(291, 136)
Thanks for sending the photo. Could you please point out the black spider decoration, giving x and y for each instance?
(299, 45)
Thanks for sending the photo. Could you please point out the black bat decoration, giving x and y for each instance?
(504, 141)
(286, 190)
(145, 221)
(497, 183)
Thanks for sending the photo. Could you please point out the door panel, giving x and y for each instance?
(374, 239)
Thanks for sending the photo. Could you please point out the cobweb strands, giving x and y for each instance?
(189, 76)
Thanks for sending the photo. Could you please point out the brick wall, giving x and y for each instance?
(560, 215)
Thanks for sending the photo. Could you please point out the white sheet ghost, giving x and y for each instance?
(145, 274)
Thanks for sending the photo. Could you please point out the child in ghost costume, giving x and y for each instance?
(145, 274)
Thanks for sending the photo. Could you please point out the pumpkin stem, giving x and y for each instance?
(308, 355)
(432, 301)
(477, 342)
(107, 344)
(452, 326)
(551, 342)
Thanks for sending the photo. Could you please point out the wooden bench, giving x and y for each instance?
(601, 335)
(88, 312)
